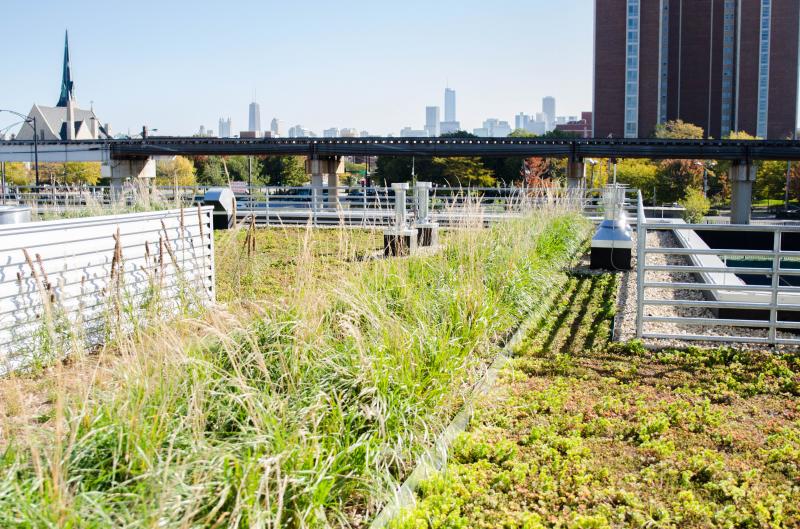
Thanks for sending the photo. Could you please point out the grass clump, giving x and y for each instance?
(611, 435)
(301, 413)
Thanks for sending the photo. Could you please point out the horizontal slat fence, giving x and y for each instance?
(67, 283)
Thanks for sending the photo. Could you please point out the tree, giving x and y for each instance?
(679, 130)
(464, 172)
(284, 171)
(695, 205)
(17, 174)
(210, 170)
(179, 171)
(770, 183)
(641, 174)
(70, 173)
(82, 173)
(674, 177)
(239, 168)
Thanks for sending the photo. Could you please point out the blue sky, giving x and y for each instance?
(373, 65)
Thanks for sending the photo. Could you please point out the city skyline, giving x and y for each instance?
(179, 98)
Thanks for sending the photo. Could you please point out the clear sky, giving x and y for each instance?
(368, 64)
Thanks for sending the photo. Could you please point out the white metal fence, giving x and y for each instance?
(78, 281)
(319, 205)
(687, 290)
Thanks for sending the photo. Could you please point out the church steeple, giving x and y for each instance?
(67, 94)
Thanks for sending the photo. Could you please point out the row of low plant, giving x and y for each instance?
(587, 434)
(302, 412)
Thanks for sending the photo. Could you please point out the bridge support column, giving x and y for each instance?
(742, 176)
(319, 168)
(574, 173)
(120, 171)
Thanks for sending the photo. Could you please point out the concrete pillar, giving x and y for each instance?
(121, 170)
(574, 173)
(325, 166)
(742, 176)
(333, 190)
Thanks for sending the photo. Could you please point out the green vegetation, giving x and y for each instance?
(298, 410)
(583, 433)
(696, 206)
(269, 264)
(179, 171)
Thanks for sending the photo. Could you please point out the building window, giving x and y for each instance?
(632, 72)
(729, 33)
(763, 69)
(664, 73)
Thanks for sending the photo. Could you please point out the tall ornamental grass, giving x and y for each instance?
(297, 415)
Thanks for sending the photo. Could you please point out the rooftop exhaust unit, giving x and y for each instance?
(612, 244)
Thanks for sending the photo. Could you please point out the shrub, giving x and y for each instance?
(696, 205)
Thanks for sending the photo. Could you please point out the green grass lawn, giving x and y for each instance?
(581, 433)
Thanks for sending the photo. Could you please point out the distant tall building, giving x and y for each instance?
(224, 128)
(449, 104)
(408, 132)
(432, 121)
(275, 127)
(493, 128)
(549, 111)
(330, 133)
(255, 117)
(725, 65)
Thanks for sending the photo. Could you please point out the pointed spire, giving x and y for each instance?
(67, 93)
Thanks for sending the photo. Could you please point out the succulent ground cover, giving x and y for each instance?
(300, 402)
(583, 433)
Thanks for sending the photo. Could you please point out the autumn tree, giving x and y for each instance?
(674, 177)
(640, 174)
(179, 171)
(17, 174)
(70, 173)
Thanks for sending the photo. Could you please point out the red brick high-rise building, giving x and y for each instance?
(725, 65)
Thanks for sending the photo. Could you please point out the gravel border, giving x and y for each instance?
(625, 319)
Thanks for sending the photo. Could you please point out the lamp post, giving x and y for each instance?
(30, 120)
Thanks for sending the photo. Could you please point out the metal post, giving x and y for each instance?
(400, 204)
(36, 151)
(266, 203)
(776, 266)
(788, 180)
(3, 183)
(249, 174)
(641, 245)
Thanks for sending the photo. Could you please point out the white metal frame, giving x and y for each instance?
(725, 294)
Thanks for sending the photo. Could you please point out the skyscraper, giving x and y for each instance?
(255, 117)
(224, 128)
(432, 121)
(275, 127)
(449, 104)
(549, 111)
(724, 65)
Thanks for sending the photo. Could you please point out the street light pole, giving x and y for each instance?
(36, 151)
(30, 120)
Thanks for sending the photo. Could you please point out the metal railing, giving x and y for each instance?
(699, 293)
(320, 205)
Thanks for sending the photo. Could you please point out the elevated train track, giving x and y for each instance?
(570, 148)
